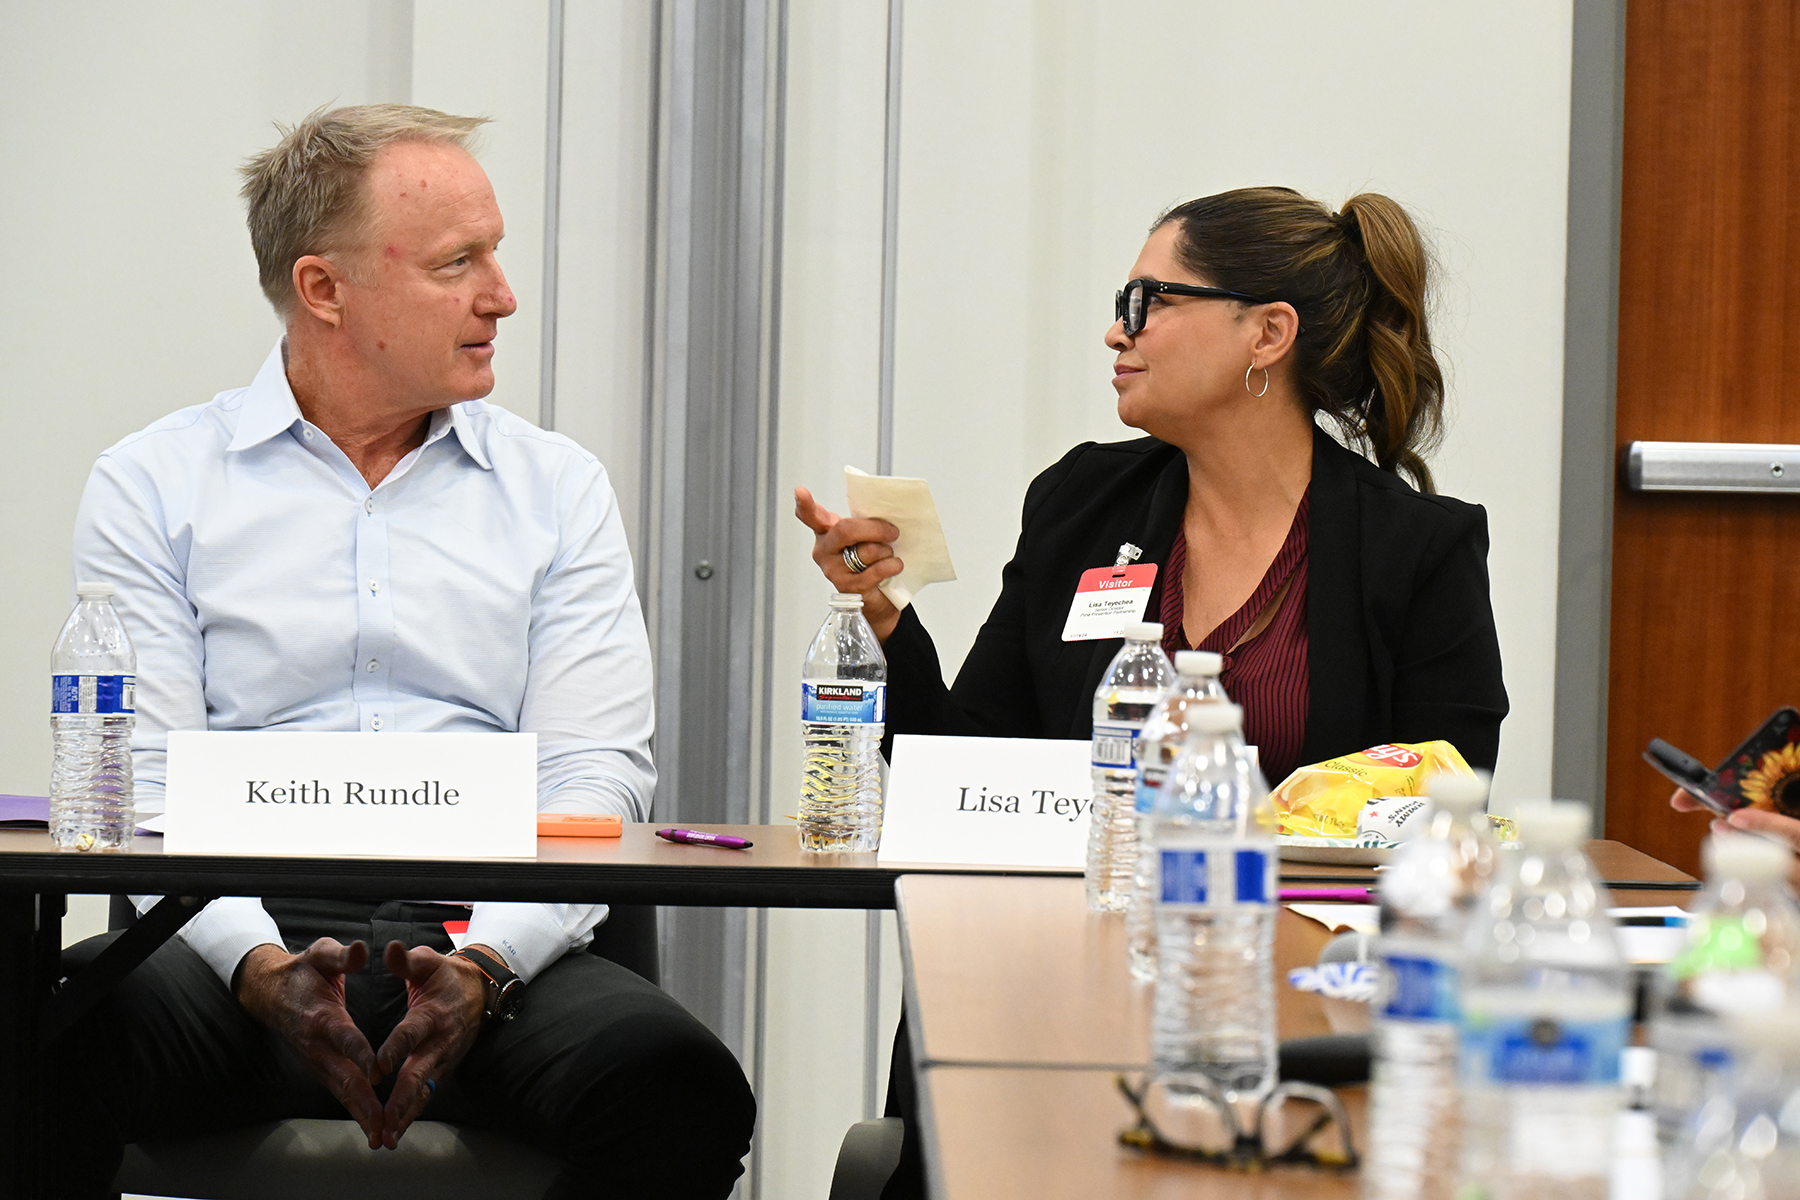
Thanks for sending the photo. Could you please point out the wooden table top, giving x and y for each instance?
(1028, 1134)
(635, 868)
(1022, 1011)
(976, 949)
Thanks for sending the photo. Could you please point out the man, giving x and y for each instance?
(357, 542)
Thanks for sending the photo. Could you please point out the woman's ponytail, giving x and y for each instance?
(1404, 418)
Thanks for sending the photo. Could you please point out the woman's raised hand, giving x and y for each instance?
(870, 537)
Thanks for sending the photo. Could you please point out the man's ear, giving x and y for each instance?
(319, 288)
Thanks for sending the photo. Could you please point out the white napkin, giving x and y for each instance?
(908, 504)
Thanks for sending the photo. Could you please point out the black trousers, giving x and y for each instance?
(601, 1069)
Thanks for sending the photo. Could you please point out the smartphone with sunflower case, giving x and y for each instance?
(1763, 772)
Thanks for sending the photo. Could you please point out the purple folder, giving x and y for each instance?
(24, 812)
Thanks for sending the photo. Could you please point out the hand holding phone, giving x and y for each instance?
(1763, 772)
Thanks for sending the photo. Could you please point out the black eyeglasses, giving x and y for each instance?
(1321, 1118)
(1132, 303)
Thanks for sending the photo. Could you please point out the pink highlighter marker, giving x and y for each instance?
(1353, 895)
(693, 837)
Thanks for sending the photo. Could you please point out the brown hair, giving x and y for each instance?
(1358, 278)
(305, 193)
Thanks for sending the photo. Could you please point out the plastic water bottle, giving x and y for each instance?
(1741, 963)
(843, 708)
(1428, 894)
(1140, 673)
(1746, 1139)
(1213, 829)
(1165, 732)
(1546, 1006)
(93, 675)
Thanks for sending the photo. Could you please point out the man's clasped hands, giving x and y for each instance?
(301, 997)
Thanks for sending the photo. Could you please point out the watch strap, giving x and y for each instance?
(503, 983)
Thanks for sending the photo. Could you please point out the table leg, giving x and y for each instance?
(30, 946)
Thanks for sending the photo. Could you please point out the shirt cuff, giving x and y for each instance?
(229, 928)
(529, 936)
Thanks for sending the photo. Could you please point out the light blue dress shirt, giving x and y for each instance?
(485, 584)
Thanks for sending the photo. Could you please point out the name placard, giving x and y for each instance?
(392, 795)
(972, 801)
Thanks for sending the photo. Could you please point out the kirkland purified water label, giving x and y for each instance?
(1114, 742)
(1423, 989)
(1544, 1050)
(1215, 878)
(844, 703)
(93, 694)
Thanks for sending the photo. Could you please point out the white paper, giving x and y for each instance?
(921, 546)
(970, 801)
(393, 795)
(1359, 918)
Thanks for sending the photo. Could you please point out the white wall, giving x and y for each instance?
(1039, 141)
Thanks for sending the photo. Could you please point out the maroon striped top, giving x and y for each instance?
(1267, 675)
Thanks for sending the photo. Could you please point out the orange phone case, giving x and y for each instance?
(579, 825)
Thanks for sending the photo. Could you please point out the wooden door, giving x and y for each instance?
(1706, 588)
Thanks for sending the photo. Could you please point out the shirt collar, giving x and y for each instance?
(269, 408)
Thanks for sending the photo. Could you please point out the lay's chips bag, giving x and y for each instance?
(1324, 800)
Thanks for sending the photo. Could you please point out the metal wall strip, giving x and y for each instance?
(553, 106)
(1590, 370)
(710, 415)
(884, 465)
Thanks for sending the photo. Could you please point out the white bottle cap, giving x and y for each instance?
(1197, 662)
(1462, 793)
(1745, 856)
(1556, 823)
(1637, 1067)
(1215, 718)
(93, 591)
(846, 600)
(1143, 631)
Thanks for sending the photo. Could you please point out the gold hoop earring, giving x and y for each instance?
(1265, 371)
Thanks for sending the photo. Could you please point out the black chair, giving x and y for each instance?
(301, 1159)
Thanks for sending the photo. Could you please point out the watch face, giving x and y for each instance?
(510, 1000)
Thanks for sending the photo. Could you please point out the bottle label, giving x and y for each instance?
(1215, 878)
(93, 693)
(1149, 782)
(1420, 989)
(1115, 745)
(852, 702)
(1544, 1050)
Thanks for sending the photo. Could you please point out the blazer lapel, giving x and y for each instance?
(1337, 670)
(1152, 530)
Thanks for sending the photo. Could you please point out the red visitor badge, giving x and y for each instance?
(1107, 600)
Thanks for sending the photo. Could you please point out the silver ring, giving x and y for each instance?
(854, 561)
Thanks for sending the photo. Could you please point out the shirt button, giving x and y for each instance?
(374, 586)
(369, 505)
(375, 723)
(307, 434)
(373, 664)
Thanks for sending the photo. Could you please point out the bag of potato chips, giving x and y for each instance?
(1323, 800)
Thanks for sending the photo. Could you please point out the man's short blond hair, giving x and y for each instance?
(305, 193)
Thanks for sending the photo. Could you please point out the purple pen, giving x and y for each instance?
(693, 837)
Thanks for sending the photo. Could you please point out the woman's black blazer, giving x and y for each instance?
(1400, 631)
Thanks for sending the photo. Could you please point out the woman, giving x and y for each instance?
(1351, 608)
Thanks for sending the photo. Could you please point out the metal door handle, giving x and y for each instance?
(1712, 467)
